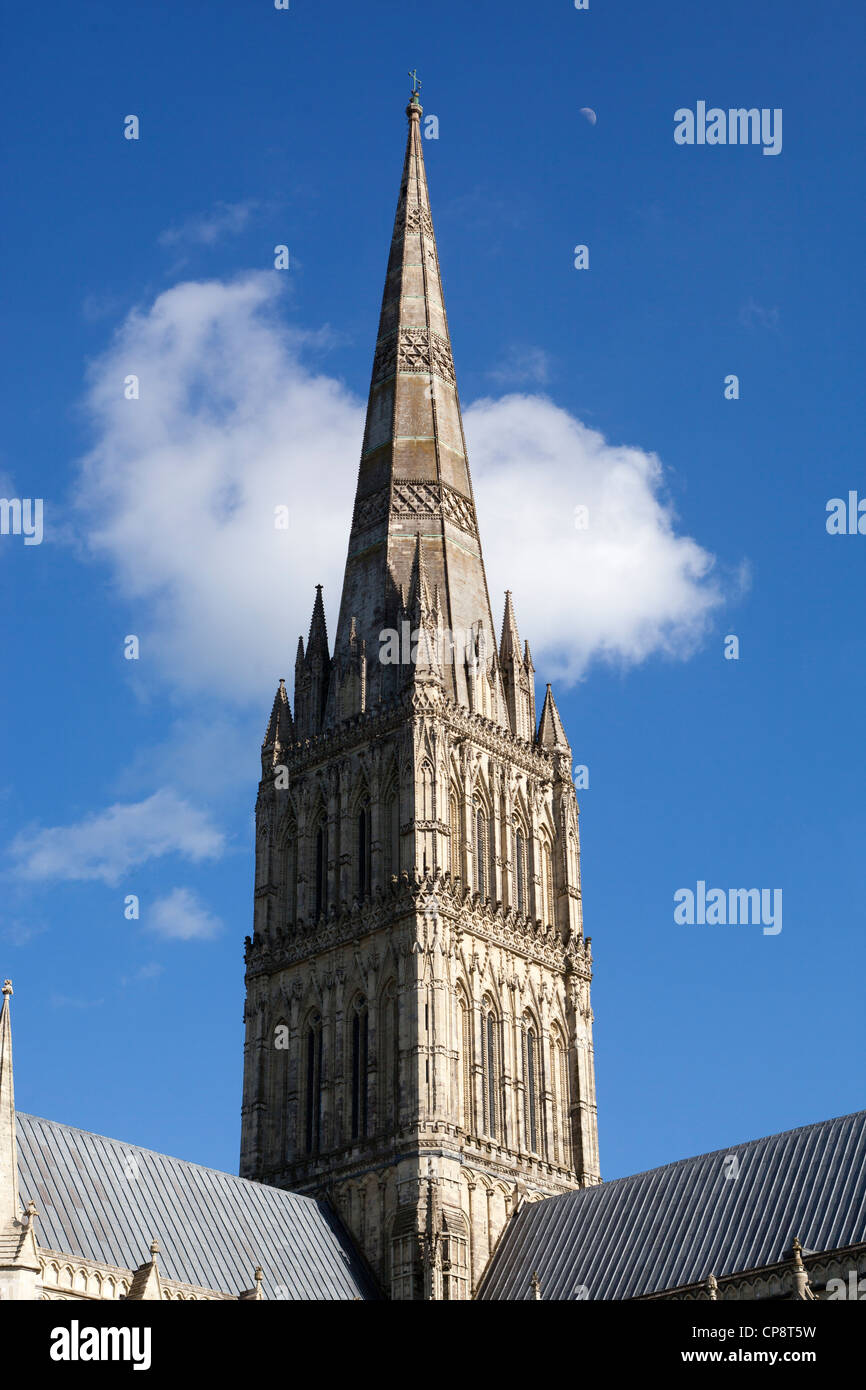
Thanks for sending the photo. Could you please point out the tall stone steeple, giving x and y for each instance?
(418, 1025)
(414, 489)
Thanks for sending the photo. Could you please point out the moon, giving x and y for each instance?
(590, 115)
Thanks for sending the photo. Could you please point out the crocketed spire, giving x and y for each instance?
(414, 505)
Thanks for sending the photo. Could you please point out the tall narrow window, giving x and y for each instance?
(363, 851)
(391, 836)
(530, 1086)
(389, 1058)
(313, 1086)
(278, 1085)
(559, 1095)
(360, 1038)
(520, 870)
(572, 860)
(464, 1062)
(321, 870)
(454, 820)
(480, 852)
(290, 876)
(445, 1256)
(491, 1077)
(547, 884)
(455, 1271)
(427, 808)
(263, 855)
(555, 1119)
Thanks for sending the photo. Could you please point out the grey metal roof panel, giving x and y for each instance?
(673, 1226)
(106, 1201)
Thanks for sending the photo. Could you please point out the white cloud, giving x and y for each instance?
(107, 845)
(182, 916)
(621, 589)
(224, 219)
(182, 484)
(180, 488)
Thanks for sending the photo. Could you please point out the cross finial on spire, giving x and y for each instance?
(416, 84)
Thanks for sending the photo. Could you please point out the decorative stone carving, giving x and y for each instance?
(418, 219)
(416, 498)
(413, 349)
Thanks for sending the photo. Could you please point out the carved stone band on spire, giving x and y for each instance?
(416, 497)
(413, 350)
(418, 219)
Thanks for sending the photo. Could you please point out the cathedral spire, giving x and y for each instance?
(420, 820)
(414, 475)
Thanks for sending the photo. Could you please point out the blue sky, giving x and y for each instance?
(155, 257)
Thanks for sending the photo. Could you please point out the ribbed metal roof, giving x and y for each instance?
(106, 1201)
(675, 1225)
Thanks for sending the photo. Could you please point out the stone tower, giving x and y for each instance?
(418, 1025)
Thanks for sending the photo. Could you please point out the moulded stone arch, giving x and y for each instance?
(360, 793)
(532, 1076)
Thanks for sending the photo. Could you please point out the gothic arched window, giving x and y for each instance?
(480, 852)
(573, 869)
(490, 1047)
(547, 884)
(363, 850)
(530, 1085)
(263, 854)
(391, 834)
(313, 1085)
(456, 837)
(278, 1086)
(454, 1258)
(520, 870)
(360, 1040)
(320, 869)
(290, 875)
(559, 1089)
(463, 1077)
(389, 1057)
(427, 809)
